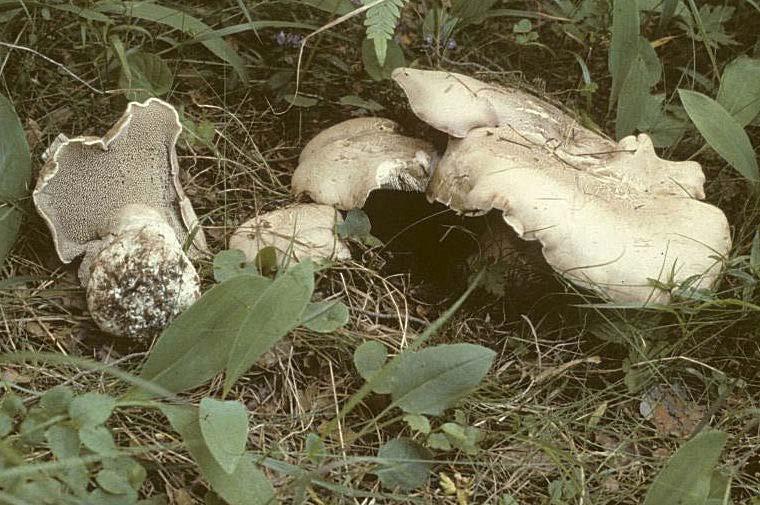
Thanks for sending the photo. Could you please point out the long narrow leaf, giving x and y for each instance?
(624, 43)
(178, 20)
(632, 100)
(721, 131)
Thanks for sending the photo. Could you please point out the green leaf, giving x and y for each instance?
(438, 441)
(633, 99)
(754, 255)
(433, 379)
(276, 312)
(301, 100)
(63, 441)
(113, 482)
(224, 425)
(98, 439)
(720, 490)
(145, 76)
(380, 71)
(369, 358)
(57, 400)
(190, 25)
(418, 423)
(406, 464)
(651, 62)
(381, 22)
(6, 424)
(339, 7)
(356, 225)
(722, 132)
(357, 101)
(15, 171)
(195, 346)
(624, 44)
(231, 263)
(247, 485)
(91, 409)
(266, 260)
(315, 448)
(739, 91)
(686, 478)
(325, 317)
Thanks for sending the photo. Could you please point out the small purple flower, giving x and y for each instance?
(280, 38)
(451, 44)
(288, 39)
(428, 40)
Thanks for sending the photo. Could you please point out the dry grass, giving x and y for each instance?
(555, 407)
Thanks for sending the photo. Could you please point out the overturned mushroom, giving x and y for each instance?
(117, 200)
(342, 165)
(612, 217)
(297, 232)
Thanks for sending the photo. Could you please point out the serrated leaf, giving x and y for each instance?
(739, 91)
(686, 477)
(231, 263)
(405, 465)
(190, 25)
(15, 172)
(247, 485)
(224, 426)
(91, 409)
(277, 311)
(325, 317)
(433, 379)
(381, 22)
(369, 358)
(145, 75)
(722, 132)
(624, 43)
(379, 71)
(195, 346)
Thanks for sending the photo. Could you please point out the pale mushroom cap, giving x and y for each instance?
(456, 104)
(296, 233)
(140, 281)
(87, 180)
(343, 164)
(610, 228)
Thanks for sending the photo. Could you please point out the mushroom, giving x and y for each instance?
(117, 201)
(296, 232)
(342, 165)
(612, 217)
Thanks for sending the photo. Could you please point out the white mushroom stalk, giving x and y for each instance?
(611, 217)
(297, 232)
(117, 202)
(342, 165)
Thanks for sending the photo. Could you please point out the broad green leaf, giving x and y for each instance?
(91, 409)
(57, 400)
(6, 424)
(98, 439)
(720, 490)
(406, 464)
(624, 44)
(394, 58)
(275, 312)
(651, 62)
(739, 91)
(325, 317)
(15, 171)
(231, 263)
(113, 482)
(145, 76)
(356, 225)
(224, 425)
(63, 441)
(418, 423)
(247, 485)
(632, 100)
(132, 471)
(266, 260)
(433, 379)
(195, 346)
(178, 20)
(369, 358)
(686, 478)
(722, 132)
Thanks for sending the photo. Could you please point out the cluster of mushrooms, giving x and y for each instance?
(611, 217)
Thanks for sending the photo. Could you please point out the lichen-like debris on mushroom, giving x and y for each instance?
(122, 192)
(297, 232)
(343, 164)
(610, 216)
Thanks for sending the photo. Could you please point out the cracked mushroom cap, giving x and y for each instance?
(86, 181)
(456, 104)
(141, 279)
(609, 224)
(297, 232)
(342, 165)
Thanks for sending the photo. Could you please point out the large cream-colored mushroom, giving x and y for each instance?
(342, 165)
(297, 232)
(117, 202)
(612, 217)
